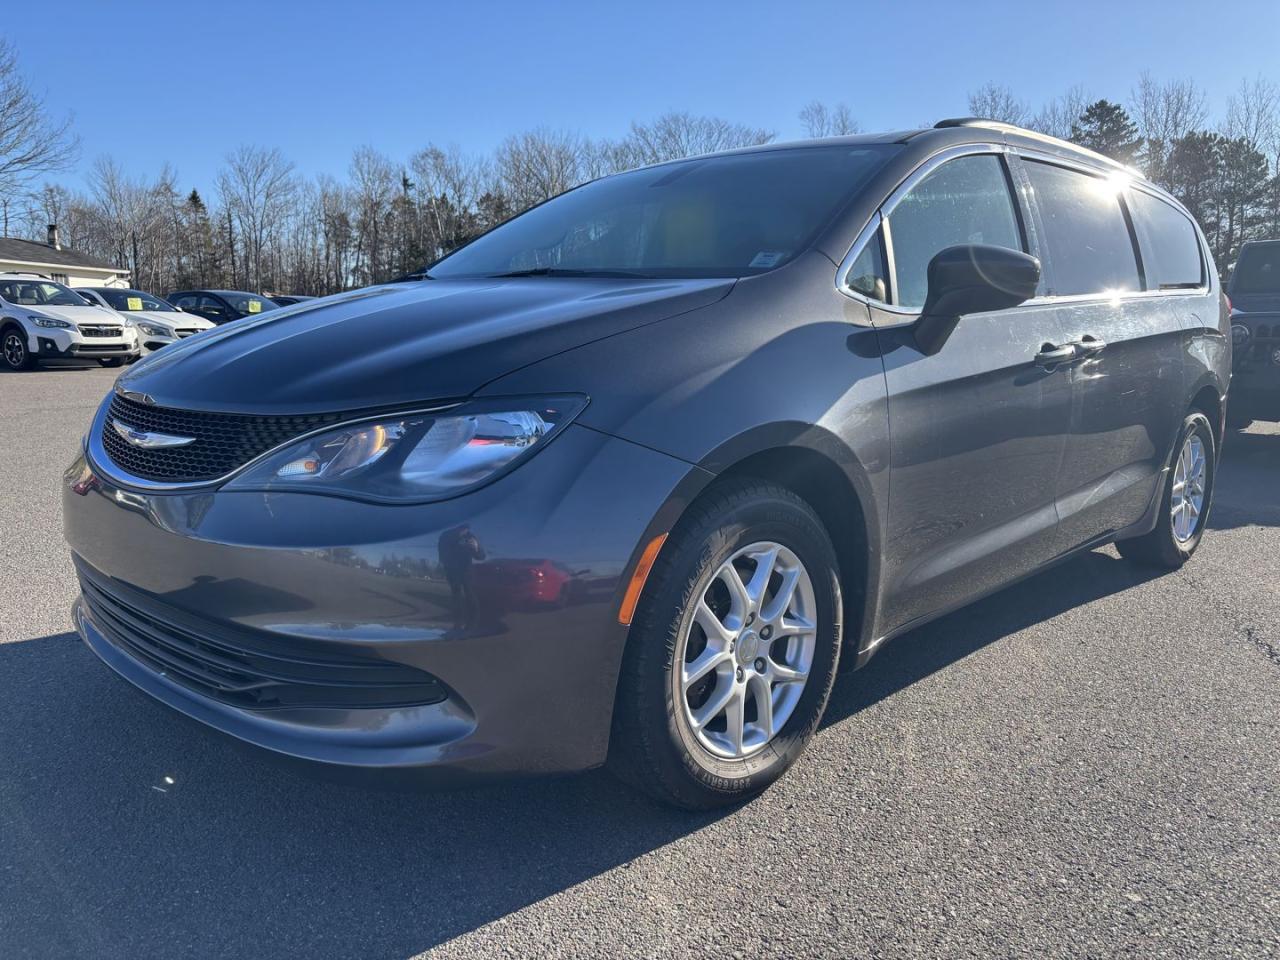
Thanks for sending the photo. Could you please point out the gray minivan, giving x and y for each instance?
(629, 477)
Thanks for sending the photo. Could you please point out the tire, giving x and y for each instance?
(1163, 547)
(112, 361)
(655, 745)
(13, 350)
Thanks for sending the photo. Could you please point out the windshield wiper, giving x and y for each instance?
(570, 272)
(410, 277)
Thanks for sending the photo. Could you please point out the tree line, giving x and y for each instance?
(265, 227)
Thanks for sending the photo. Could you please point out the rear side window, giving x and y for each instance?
(965, 200)
(1086, 232)
(1258, 270)
(1175, 248)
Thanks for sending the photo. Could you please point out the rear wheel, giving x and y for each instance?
(13, 349)
(733, 651)
(1184, 506)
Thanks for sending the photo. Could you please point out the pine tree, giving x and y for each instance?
(1107, 128)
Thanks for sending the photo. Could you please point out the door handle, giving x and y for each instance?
(1088, 345)
(1051, 356)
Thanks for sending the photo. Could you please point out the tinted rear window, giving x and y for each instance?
(1258, 270)
(1175, 249)
(1087, 235)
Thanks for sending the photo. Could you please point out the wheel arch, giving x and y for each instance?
(825, 473)
(1209, 401)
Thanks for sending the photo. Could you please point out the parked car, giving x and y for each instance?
(289, 300)
(797, 399)
(221, 306)
(1254, 292)
(157, 321)
(43, 320)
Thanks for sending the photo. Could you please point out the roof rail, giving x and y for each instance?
(973, 122)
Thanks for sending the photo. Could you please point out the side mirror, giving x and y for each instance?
(972, 278)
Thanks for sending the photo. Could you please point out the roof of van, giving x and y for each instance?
(958, 130)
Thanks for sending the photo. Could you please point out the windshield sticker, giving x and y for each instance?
(768, 258)
(135, 303)
(255, 306)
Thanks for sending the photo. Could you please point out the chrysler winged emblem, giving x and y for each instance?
(149, 441)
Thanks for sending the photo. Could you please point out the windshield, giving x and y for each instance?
(40, 293)
(249, 302)
(133, 300)
(1258, 270)
(729, 216)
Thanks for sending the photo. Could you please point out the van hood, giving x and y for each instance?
(402, 343)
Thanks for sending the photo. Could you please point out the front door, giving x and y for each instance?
(978, 430)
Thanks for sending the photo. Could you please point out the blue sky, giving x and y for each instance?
(186, 81)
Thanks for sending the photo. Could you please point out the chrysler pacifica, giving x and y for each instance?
(628, 478)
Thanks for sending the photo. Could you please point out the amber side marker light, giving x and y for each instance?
(632, 596)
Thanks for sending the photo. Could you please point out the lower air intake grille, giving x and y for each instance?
(253, 673)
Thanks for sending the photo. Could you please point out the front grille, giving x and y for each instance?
(186, 331)
(101, 331)
(224, 441)
(251, 672)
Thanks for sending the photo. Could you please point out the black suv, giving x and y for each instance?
(728, 421)
(1254, 291)
(221, 306)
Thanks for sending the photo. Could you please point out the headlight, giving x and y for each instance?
(415, 457)
(49, 322)
(151, 330)
(1239, 334)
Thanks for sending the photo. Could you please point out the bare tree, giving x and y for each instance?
(1253, 114)
(1165, 113)
(373, 188)
(1059, 115)
(539, 164)
(31, 142)
(995, 102)
(256, 186)
(676, 135)
(820, 121)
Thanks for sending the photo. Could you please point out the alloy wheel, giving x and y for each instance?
(15, 351)
(1187, 502)
(743, 662)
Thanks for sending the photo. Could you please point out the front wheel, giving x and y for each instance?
(733, 650)
(13, 349)
(1184, 506)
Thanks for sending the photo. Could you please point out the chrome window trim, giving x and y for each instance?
(101, 463)
(882, 215)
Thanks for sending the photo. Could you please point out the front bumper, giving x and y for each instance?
(527, 688)
(58, 344)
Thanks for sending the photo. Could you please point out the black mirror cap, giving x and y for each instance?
(972, 278)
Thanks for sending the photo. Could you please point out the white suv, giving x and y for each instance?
(158, 322)
(44, 320)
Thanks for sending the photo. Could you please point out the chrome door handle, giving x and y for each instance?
(1088, 345)
(1051, 356)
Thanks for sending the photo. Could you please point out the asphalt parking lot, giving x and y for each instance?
(1087, 764)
